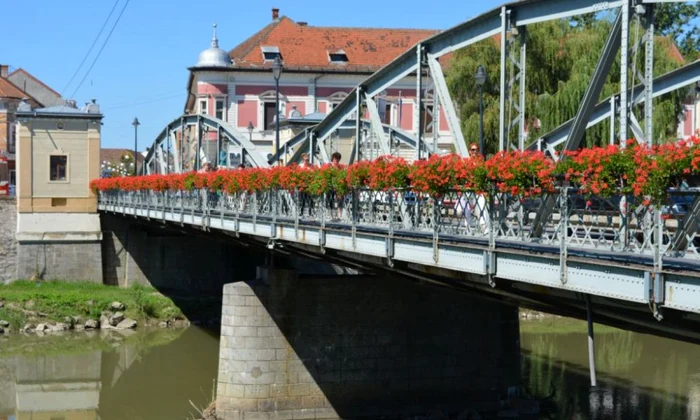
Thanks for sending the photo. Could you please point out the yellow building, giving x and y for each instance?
(58, 228)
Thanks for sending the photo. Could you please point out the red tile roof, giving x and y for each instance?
(9, 90)
(306, 47)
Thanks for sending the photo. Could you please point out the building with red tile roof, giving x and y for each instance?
(321, 65)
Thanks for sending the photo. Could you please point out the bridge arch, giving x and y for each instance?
(191, 140)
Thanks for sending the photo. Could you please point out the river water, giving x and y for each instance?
(154, 375)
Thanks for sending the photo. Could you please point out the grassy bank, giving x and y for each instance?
(29, 301)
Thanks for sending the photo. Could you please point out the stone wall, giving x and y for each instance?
(65, 261)
(357, 346)
(8, 243)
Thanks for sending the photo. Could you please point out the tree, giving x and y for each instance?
(561, 58)
(676, 21)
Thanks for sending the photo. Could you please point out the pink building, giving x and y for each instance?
(321, 65)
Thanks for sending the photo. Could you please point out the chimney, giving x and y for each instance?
(275, 13)
(3, 70)
(303, 23)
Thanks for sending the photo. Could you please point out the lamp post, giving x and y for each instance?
(480, 78)
(136, 124)
(276, 73)
(251, 128)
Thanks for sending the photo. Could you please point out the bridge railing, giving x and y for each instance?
(617, 224)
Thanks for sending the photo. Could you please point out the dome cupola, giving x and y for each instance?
(213, 56)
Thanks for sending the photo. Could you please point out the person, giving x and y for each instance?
(474, 150)
(204, 169)
(478, 206)
(305, 161)
(336, 200)
(304, 197)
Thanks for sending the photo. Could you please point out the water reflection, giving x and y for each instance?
(639, 376)
(147, 375)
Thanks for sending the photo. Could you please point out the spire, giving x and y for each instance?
(214, 40)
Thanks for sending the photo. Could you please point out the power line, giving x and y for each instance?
(101, 48)
(91, 47)
(172, 96)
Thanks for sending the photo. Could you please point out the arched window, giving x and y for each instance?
(335, 99)
(267, 101)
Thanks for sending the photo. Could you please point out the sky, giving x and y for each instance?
(142, 71)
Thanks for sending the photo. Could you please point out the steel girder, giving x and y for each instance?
(661, 85)
(442, 94)
(612, 45)
(185, 146)
(474, 30)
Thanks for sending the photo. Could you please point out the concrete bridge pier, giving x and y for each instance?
(347, 347)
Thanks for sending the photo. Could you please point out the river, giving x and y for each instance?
(158, 374)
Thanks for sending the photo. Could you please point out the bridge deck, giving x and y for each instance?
(605, 252)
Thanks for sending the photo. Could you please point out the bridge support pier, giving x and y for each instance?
(348, 347)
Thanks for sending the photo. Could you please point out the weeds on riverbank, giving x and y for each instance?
(23, 301)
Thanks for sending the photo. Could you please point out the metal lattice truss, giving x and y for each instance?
(510, 22)
(190, 141)
(373, 138)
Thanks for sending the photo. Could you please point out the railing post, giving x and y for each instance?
(563, 232)
(490, 262)
(436, 229)
(354, 218)
(255, 211)
(390, 238)
(275, 209)
(322, 231)
(296, 214)
(237, 204)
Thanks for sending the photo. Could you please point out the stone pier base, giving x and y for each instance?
(357, 346)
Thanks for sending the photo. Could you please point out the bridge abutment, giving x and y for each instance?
(359, 346)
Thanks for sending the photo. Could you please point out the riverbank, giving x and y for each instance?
(30, 306)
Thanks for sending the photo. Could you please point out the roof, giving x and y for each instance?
(30, 76)
(10, 90)
(307, 47)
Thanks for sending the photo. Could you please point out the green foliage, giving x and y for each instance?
(677, 20)
(87, 300)
(561, 58)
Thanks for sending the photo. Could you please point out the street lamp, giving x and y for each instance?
(276, 73)
(136, 124)
(251, 128)
(480, 78)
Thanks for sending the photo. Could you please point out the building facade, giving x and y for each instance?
(58, 228)
(15, 87)
(321, 65)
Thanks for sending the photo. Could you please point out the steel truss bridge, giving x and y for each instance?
(555, 252)
(178, 147)
(640, 267)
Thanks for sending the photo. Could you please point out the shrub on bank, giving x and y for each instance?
(602, 171)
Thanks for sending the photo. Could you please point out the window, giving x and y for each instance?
(203, 106)
(335, 99)
(270, 53)
(269, 116)
(427, 118)
(13, 177)
(220, 109)
(58, 168)
(11, 141)
(387, 114)
(338, 57)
